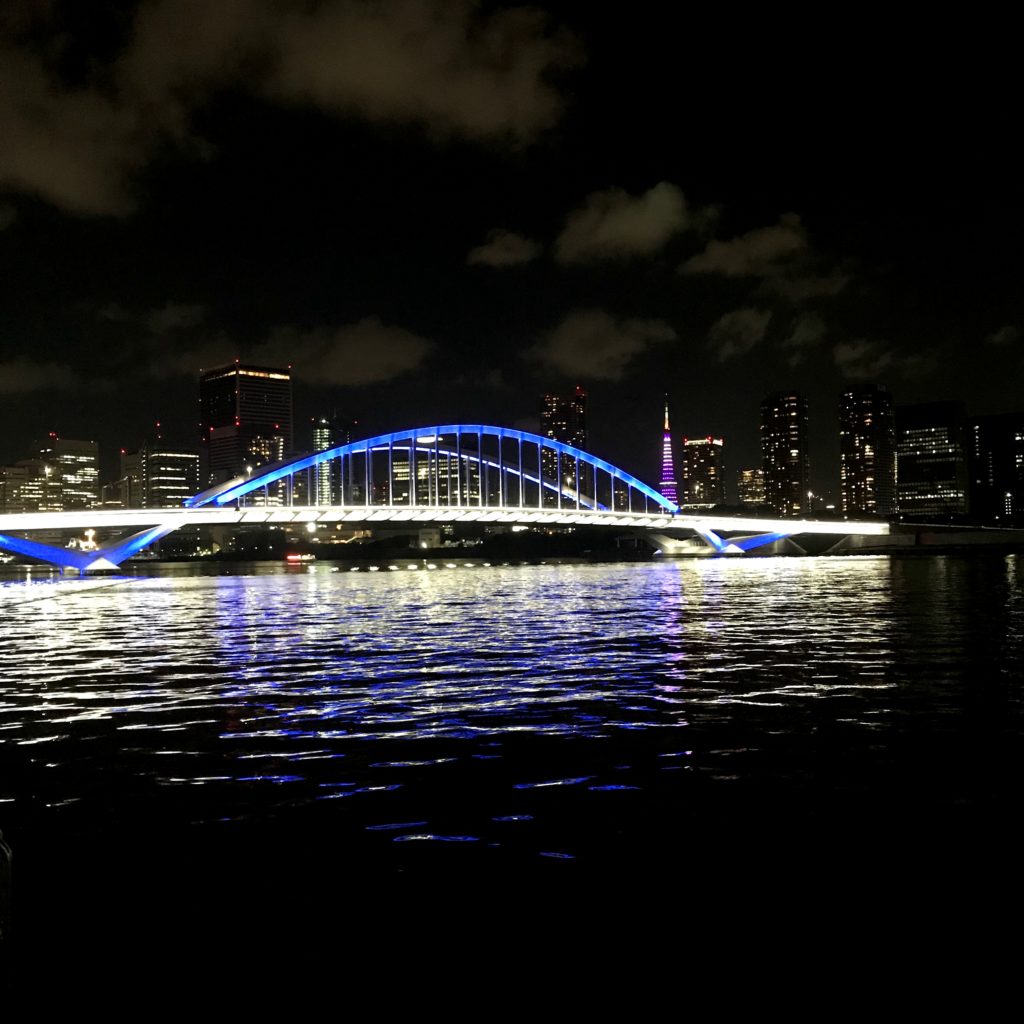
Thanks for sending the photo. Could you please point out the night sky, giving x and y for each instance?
(436, 210)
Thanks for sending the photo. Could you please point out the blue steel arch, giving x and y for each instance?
(232, 490)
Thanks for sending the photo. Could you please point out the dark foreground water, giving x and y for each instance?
(251, 752)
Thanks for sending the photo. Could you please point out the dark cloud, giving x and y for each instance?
(863, 359)
(443, 64)
(592, 344)
(366, 352)
(758, 253)
(613, 224)
(22, 376)
(736, 333)
(807, 331)
(1006, 335)
(797, 288)
(504, 249)
(173, 316)
(437, 62)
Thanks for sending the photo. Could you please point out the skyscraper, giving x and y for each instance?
(76, 464)
(867, 452)
(246, 418)
(703, 471)
(750, 487)
(784, 453)
(931, 461)
(996, 462)
(30, 486)
(563, 417)
(667, 483)
(329, 432)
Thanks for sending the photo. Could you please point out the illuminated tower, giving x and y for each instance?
(784, 453)
(329, 432)
(667, 486)
(563, 417)
(703, 472)
(867, 452)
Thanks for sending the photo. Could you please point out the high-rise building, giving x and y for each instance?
(667, 484)
(750, 487)
(703, 471)
(76, 463)
(931, 461)
(867, 452)
(246, 418)
(563, 417)
(329, 432)
(995, 458)
(784, 453)
(30, 486)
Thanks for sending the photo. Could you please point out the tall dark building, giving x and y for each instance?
(563, 417)
(995, 458)
(867, 452)
(784, 453)
(931, 461)
(703, 471)
(246, 418)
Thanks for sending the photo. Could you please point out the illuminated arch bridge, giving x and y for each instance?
(447, 474)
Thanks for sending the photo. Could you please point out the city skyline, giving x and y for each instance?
(418, 254)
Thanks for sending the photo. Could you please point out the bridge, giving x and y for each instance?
(456, 473)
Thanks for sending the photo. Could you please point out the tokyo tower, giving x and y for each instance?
(667, 486)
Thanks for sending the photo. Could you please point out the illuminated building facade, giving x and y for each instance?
(77, 464)
(703, 471)
(867, 452)
(329, 432)
(563, 417)
(931, 461)
(784, 453)
(30, 486)
(996, 468)
(246, 418)
(750, 488)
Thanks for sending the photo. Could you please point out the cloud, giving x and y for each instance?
(613, 224)
(22, 377)
(799, 288)
(1006, 335)
(863, 359)
(173, 316)
(366, 352)
(757, 253)
(448, 65)
(73, 148)
(504, 249)
(441, 63)
(590, 343)
(8, 215)
(738, 332)
(808, 329)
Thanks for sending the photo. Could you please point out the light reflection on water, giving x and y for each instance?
(463, 702)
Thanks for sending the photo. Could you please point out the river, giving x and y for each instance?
(182, 733)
